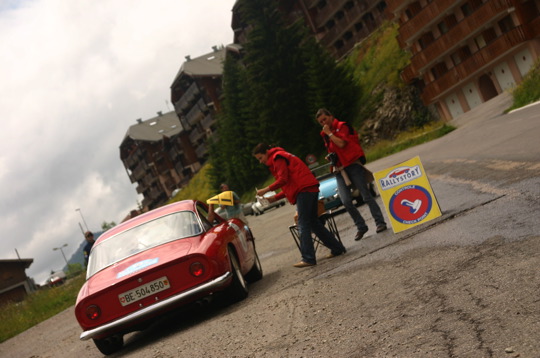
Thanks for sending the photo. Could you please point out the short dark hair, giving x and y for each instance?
(260, 148)
(88, 234)
(323, 111)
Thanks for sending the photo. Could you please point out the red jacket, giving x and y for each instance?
(351, 151)
(292, 175)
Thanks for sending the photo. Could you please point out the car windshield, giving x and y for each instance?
(147, 235)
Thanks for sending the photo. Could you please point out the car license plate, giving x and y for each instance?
(143, 291)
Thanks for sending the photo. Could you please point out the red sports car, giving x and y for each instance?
(158, 261)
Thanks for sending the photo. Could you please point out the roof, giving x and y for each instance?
(154, 129)
(210, 64)
(26, 262)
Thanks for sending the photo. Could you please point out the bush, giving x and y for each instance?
(529, 90)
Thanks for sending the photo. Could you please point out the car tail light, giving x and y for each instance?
(93, 312)
(196, 269)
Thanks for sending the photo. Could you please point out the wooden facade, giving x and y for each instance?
(337, 25)
(464, 53)
(157, 155)
(14, 284)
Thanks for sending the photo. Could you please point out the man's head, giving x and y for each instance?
(260, 152)
(224, 187)
(89, 236)
(324, 117)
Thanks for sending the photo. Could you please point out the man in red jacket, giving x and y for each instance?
(340, 138)
(300, 187)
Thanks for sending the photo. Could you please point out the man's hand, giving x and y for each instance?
(261, 192)
(326, 129)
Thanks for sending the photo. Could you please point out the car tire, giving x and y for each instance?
(238, 290)
(110, 344)
(256, 272)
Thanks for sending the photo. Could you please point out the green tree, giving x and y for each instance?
(106, 226)
(231, 159)
(271, 94)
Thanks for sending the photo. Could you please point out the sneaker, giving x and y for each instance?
(303, 264)
(360, 234)
(381, 228)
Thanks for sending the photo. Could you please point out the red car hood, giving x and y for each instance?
(137, 264)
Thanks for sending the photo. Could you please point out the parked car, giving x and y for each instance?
(259, 208)
(56, 279)
(159, 261)
(328, 191)
(248, 208)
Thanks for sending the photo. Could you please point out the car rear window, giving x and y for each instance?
(143, 237)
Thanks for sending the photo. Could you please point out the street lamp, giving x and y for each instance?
(80, 212)
(62, 251)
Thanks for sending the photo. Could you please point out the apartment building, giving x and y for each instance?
(336, 24)
(157, 155)
(195, 94)
(465, 52)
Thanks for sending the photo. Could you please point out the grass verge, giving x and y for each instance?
(37, 307)
(407, 140)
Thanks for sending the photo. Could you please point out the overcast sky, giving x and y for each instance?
(74, 76)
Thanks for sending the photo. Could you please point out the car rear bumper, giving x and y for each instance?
(137, 316)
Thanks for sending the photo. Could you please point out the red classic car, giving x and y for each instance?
(159, 261)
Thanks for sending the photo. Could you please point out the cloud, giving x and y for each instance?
(75, 76)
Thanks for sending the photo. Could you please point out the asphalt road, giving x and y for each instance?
(463, 285)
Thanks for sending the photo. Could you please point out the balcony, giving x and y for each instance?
(183, 103)
(201, 151)
(195, 135)
(194, 116)
(138, 173)
(208, 121)
(428, 15)
(533, 28)
(474, 64)
(466, 28)
(352, 16)
(328, 12)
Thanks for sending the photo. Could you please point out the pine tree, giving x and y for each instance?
(272, 93)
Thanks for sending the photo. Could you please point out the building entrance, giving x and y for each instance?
(487, 88)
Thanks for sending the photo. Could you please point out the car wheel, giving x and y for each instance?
(110, 344)
(238, 290)
(256, 272)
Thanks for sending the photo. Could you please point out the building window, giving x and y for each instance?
(476, 4)
(506, 24)
(338, 44)
(330, 24)
(340, 15)
(349, 5)
(456, 59)
(426, 39)
(413, 10)
(381, 6)
(321, 4)
(465, 52)
(438, 70)
(466, 9)
(358, 26)
(348, 35)
(489, 35)
(480, 42)
(443, 28)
